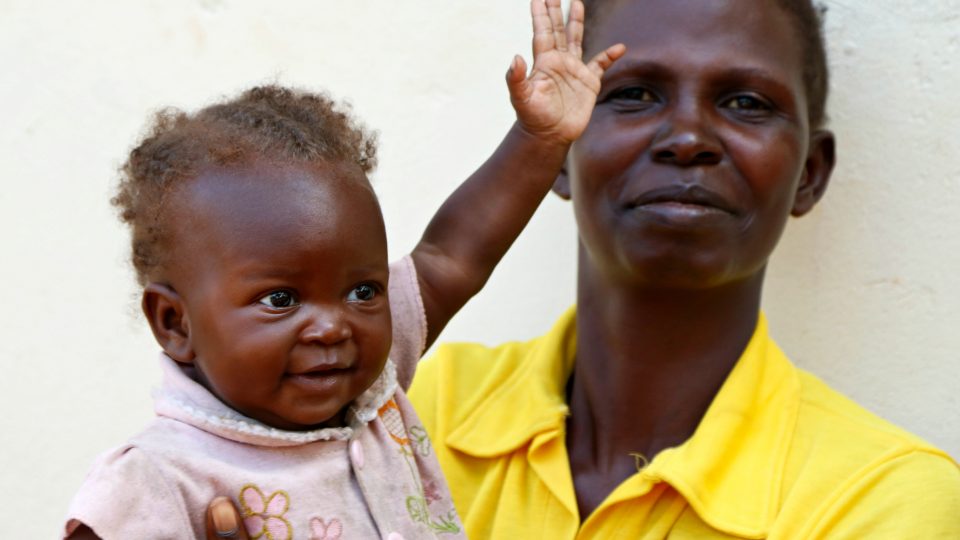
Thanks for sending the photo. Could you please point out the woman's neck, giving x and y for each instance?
(649, 363)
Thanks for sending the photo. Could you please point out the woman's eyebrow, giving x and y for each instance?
(658, 70)
(649, 68)
(756, 76)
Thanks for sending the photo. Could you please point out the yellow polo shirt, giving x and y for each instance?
(778, 454)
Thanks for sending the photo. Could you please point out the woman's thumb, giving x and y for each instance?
(223, 520)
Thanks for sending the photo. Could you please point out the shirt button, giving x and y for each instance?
(394, 536)
(356, 452)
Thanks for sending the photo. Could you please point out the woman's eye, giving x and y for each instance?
(362, 293)
(746, 103)
(279, 299)
(633, 93)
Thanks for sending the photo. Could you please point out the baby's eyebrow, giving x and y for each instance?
(256, 272)
(260, 273)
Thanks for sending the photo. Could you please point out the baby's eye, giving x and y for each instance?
(362, 293)
(746, 103)
(279, 299)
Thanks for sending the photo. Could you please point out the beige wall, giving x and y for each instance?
(864, 292)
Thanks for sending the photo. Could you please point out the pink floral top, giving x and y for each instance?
(375, 478)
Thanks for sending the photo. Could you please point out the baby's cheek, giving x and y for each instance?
(378, 335)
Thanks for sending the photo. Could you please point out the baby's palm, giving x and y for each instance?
(555, 101)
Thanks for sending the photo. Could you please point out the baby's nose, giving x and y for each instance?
(326, 326)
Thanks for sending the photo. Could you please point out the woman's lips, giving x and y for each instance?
(682, 205)
(681, 210)
(682, 200)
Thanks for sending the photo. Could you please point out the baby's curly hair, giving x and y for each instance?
(265, 122)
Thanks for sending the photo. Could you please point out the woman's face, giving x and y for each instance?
(699, 147)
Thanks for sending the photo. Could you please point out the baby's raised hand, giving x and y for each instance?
(555, 101)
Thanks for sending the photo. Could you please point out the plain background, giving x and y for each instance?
(863, 292)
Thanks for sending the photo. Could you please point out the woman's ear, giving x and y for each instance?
(168, 319)
(561, 186)
(816, 172)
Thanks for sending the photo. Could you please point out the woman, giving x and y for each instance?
(660, 407)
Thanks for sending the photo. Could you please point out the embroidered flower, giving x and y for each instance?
(390, 415)
(263, 516)
(420, 440)
(412, 443)
(431, 492)
(325, 530)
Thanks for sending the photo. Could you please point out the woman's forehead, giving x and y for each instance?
(738, 21)
(708, 31)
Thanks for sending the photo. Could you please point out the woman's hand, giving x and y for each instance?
(555, 101)
(223, 521)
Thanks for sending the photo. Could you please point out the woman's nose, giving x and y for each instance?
(326, 326)
(686, 138)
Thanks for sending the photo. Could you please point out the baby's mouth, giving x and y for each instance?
(324, 372)
(323, 369)
(321, 379)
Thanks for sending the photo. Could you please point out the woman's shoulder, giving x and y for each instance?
(849, 470)
(836, 419)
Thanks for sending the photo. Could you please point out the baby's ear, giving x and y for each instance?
(168, 319)
(816, 172)
(561, 186)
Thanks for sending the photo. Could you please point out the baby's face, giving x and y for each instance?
(283, 275)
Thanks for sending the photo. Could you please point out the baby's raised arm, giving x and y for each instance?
(476, 225)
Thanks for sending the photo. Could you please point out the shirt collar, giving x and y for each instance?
(730, 469)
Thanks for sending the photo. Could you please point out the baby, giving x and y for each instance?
(287, 339)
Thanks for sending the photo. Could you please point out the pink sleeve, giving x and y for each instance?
(125, 496)
(409, 319)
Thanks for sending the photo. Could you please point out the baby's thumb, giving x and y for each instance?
(223, 521)
(517, 80)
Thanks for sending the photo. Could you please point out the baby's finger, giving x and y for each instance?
(543, 39)
(575, 28)
(223, 521)
(555, 11)
(517, 80)
(603, 60)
